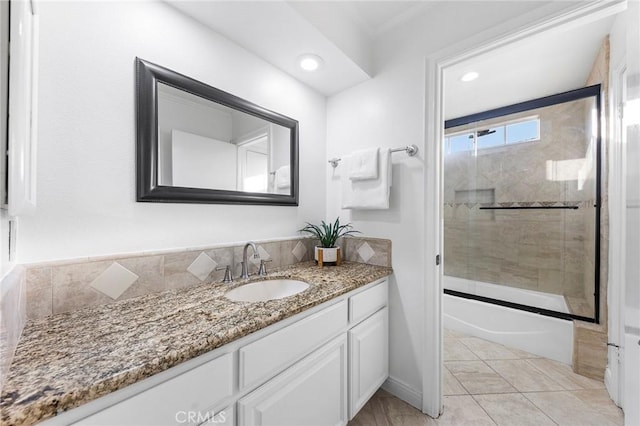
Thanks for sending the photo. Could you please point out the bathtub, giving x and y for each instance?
(541, 335)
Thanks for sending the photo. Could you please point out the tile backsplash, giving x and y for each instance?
(57, 287)
(374, 251)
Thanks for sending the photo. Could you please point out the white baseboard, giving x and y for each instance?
(403, 391)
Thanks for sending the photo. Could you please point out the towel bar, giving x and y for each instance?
(411, 150)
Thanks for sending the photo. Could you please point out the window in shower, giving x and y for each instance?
(521, 219)
(511, 132)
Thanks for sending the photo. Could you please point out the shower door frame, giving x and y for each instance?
(435, 65)
(594, 91)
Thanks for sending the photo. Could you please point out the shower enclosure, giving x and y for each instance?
(522, 205)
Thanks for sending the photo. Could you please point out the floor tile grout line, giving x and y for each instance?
(457, 381)
(540, 408)
(544, 374)
(503, 378)
(486, 412)
(592, 410)
(528, 361)
(463, 386)
(517, 357)
(549, 376)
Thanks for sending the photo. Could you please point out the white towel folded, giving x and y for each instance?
(371, 194)
(363, 164)
(283, 177)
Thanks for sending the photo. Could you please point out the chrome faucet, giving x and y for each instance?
(245, 263)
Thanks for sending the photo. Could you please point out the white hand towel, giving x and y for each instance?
(363, 164)
(372, 194)
(283, 177)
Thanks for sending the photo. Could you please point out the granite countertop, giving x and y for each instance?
(69, 359)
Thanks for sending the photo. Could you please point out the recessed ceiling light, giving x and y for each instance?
(470, 76)
(310, 62)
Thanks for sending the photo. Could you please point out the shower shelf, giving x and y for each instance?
(528, 207)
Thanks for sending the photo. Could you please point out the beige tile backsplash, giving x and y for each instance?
(66, 286)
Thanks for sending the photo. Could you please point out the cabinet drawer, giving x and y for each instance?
(177, 401)
(369, 301)
(225, 417)
(268, 356)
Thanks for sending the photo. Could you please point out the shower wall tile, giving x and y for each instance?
(546, 256)
(550, 281)
(519, 275)
(573, 285)
(590, 350)
(575, 257)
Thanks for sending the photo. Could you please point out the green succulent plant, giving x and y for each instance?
(329, 233)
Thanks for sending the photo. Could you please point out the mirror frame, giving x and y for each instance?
(148, 75)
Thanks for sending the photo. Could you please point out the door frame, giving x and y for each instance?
(511, 32)
(617, 230)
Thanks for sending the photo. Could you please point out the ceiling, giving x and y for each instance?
(377, 17)
(344, 34)
(340, 32)
(544, 65)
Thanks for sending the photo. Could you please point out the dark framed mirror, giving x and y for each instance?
(198, 144)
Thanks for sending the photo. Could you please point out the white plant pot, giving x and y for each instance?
(328, 254)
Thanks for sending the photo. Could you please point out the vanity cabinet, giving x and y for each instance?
(176, 401)
(262, 359)
(368, 359)
(316, 368)
(312, 392)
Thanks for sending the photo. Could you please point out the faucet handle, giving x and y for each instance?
(263, 267)
(228, 278)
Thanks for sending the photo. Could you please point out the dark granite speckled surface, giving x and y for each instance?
(69, 359)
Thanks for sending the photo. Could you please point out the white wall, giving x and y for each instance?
(196, 118)
(389, 111)
(86, 152)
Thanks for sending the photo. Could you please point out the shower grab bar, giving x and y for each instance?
(530, 208)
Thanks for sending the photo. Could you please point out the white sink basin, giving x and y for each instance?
(262, 291)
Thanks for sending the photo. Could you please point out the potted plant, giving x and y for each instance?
(328, 234)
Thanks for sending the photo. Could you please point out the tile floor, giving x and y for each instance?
(489, 384)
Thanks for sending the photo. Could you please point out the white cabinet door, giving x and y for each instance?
(368, 359)
(312, 392)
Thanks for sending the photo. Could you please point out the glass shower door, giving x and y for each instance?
(522, 205)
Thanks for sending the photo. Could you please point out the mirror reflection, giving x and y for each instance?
(199, 144)
(204, 144)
